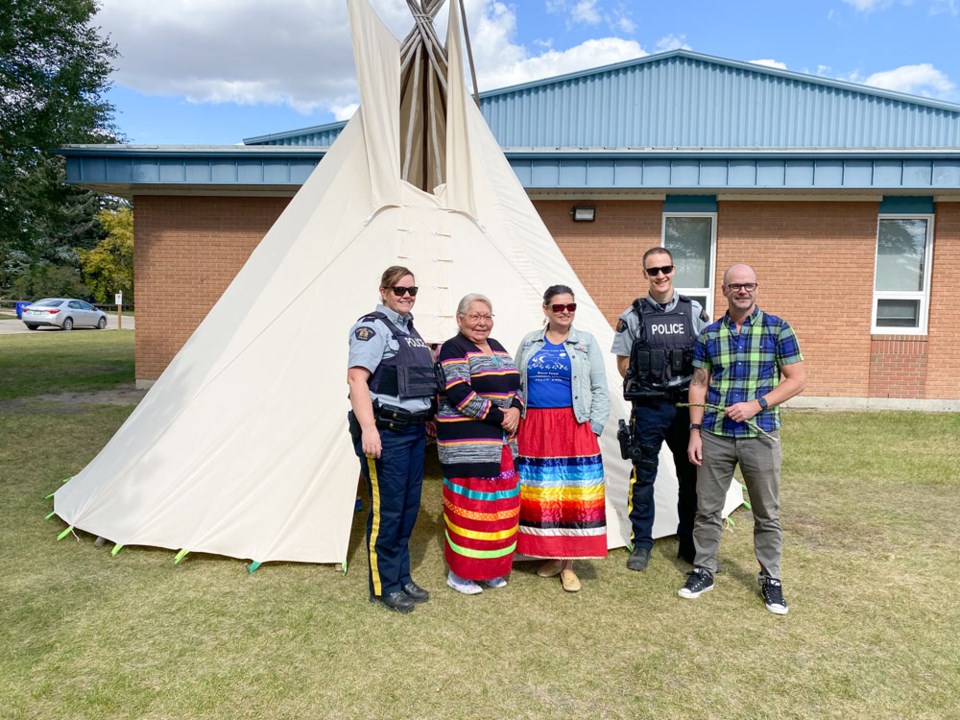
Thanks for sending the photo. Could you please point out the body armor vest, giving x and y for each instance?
(409, 373)
(662, 352)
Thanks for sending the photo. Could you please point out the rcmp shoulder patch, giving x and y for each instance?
(364, 333)
(621, 325)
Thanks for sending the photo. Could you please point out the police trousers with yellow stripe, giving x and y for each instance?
(394, 481)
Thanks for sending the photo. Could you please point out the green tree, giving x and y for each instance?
(54, 70)
(108, 268)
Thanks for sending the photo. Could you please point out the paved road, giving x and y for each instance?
(10, 325)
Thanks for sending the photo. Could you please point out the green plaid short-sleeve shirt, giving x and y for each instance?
(744, 366)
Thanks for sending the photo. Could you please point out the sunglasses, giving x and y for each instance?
(654, 271)
(400, 291)
(560, 307)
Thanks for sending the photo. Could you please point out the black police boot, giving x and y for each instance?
(415, 592)
(398, 601)
(639, 559)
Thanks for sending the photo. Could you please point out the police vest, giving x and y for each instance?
(663, 349)
(409, 373)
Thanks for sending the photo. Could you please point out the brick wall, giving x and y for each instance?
(606, 254)
(188, 249)
(943, 340)
(814, 260)
(815, 264)
(898, 366)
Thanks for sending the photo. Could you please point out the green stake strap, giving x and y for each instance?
(66, 532)
(180, 556)
(344, 567)
(49, 515)
(730, 522)
(252, 567)
(66, 480)
(116, 548)
(50, 496)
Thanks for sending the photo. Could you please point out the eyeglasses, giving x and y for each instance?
(560, 307)
(654, 271)
(737, 287)
(477, 318)
(400, 291)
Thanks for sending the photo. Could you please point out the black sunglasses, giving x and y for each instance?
(560, 307)
(654, 271)
(400, 291)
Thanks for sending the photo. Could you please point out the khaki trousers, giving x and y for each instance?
(759, 460)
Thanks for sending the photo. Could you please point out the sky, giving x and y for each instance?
(213, 72)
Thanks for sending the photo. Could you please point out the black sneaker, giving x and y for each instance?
(639, 559)
(699, 581)
(772, 592)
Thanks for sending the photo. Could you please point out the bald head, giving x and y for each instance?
(740, 289)
(739, 273)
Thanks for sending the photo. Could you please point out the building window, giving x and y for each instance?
(692, 239)
(901, 290)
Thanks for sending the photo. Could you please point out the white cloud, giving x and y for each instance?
(585, 11)
(867, 5)
(923, 79)
(592, 12)
(672, 42)
(770, 63)
(936, 6)
(222, 51)
(225, 51)
(589, 54)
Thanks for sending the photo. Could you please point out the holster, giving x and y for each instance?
(390, 417)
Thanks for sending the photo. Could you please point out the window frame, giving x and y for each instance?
(923, 295)
(711, 271)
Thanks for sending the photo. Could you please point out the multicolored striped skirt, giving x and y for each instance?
(481, 522)
(562, 506)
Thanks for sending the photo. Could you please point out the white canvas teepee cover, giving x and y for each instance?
(240, 448)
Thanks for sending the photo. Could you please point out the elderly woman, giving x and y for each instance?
(478, 413)
(392, 384)
(562, 377)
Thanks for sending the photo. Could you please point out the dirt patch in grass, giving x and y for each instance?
(71, 402)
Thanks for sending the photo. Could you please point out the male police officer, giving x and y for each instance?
(654, 347)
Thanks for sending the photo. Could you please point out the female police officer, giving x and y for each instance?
(392, 384)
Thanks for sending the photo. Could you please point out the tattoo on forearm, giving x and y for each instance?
(699, 377)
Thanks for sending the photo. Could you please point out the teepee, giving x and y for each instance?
(240, 448)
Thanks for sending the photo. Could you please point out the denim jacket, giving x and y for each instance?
(591, 401)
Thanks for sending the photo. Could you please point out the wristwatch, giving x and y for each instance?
(763, 403)
(696, 426)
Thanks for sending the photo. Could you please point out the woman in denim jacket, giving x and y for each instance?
(562, 507)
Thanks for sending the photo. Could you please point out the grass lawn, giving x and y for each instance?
(45, 362)
(868, 508)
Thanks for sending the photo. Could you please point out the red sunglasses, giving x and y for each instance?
(560, 307)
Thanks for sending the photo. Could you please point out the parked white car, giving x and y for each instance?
(64, 313)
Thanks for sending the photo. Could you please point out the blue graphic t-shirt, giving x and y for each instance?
(548, 378)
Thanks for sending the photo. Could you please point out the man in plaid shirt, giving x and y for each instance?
(738, 363)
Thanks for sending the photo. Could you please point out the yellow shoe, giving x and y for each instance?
(551, 568)
(570, 581)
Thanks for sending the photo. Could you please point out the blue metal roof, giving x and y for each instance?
(682, 99)
(678, 122)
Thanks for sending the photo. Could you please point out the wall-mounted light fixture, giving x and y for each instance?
(584, 213)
